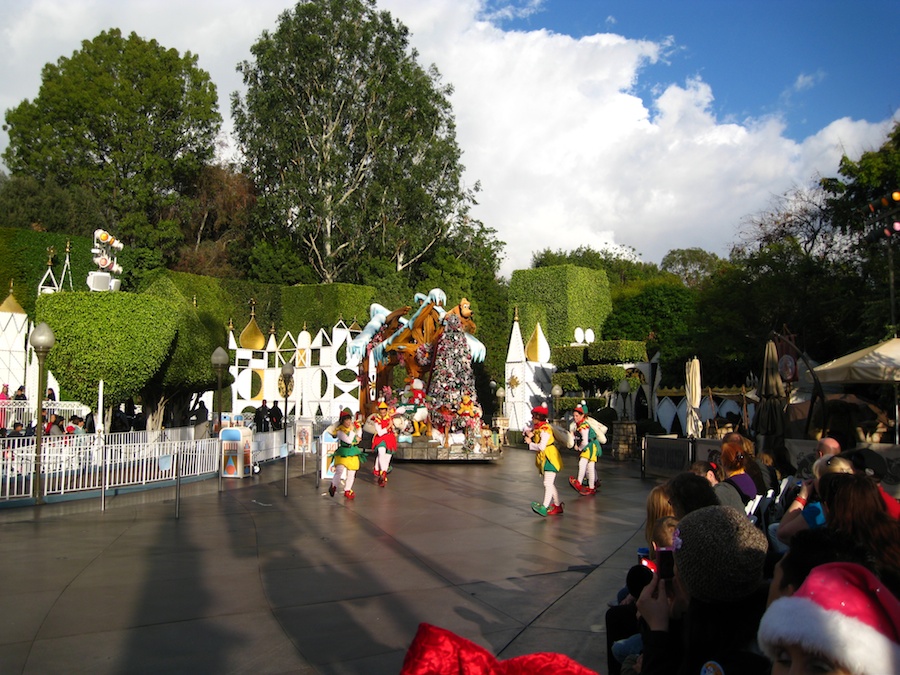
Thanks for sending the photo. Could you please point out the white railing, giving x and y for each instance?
(90, 462)
(25, 412)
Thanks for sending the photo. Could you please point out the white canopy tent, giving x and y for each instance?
(879, 364)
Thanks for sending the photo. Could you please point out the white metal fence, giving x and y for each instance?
(102, 462)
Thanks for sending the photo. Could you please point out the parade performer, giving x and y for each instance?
(587, 442)
(348, 455)
(384, 442)
(548, 462)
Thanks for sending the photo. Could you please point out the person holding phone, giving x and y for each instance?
(707, 614)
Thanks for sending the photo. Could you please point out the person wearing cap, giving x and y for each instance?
(547, 460)
(841, 621)
(384, 442)
(347, 456)
(706, 617)
(587, 443)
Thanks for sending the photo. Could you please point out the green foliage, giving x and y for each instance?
(322, 305)
(620, 264)
(24, 255)
(600, 377)
(561, 299)
(567, 381)
(357, 148)
(616, 351)
(691, 265)
(567, 357)
(567, 403)
(97, 338)
(188, 368)
(128, 121)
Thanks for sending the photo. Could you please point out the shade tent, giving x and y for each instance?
(879, 364)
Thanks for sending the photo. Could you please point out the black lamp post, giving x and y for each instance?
(219, 361)
(287, 374)
(42, 341)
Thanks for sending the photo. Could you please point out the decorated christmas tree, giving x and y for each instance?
(451, 377)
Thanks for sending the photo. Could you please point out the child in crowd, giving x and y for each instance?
(841, 621)
(547, 460)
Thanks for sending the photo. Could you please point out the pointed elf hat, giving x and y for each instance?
(842, 612)
(582, 408)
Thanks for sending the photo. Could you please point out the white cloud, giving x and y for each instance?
(566, 152)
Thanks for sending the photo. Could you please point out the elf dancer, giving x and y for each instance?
(384, 442)
(588, 444)
(347, 456)
(548, 462)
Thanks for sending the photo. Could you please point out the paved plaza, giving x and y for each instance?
(250, 581)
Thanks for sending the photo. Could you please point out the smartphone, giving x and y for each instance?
(665, 562)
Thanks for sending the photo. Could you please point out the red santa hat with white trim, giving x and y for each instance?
(841, 612)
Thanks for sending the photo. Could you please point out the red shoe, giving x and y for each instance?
(574, 483)
(555, 510)
(382, 478)
(349, 494)
(590, 491)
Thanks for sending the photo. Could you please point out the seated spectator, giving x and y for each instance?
(805, 512)
(638, 577)
(735, 462)
(658, 506)
(841, 621)
(751, 466)
(689, 492)
(809, 549)
(710, 611)
(726, 492)
(621, 619)
(854, 506)
(873, 464)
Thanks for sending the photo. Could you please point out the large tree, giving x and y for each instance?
(128, 120)
(352, 144)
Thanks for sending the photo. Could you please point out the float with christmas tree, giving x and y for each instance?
(436, 408)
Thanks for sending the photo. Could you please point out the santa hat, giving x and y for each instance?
(842, 612)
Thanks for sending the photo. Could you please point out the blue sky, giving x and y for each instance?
(645, 124)
(808, 61)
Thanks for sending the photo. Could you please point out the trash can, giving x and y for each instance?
(237, 452)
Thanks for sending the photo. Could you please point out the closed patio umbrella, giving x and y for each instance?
(692, 393)
(769, 420)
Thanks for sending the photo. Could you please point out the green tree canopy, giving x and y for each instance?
(128, 120)
(621, 265)
(691, 265)
(352, 144)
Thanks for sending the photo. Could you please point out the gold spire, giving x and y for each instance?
(252, 337)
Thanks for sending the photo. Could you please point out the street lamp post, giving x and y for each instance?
(219, 361)
(556, 392)
(287, 374)
(42, 341)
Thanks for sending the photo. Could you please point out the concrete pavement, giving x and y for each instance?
(250, 581)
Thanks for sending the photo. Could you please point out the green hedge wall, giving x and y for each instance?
(616, 351)
(562, 298)
(568, 357)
